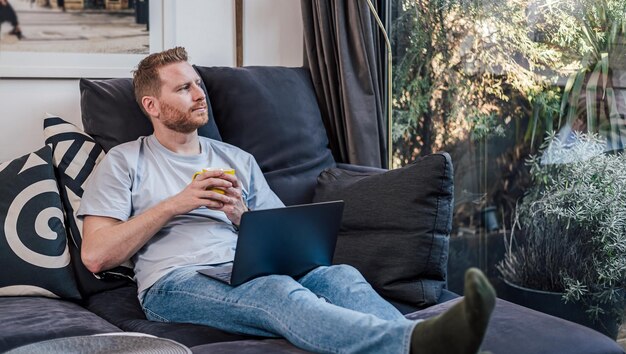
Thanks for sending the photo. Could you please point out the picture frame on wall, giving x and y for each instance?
(66, 42)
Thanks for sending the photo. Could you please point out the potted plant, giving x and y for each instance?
(569, 235)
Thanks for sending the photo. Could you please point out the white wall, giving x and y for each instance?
(206, 29)
(272, 32)
(280, 20)
(23, 104)
(272, 36)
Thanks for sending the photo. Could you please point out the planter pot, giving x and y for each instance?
(489, 218)
(553, 304)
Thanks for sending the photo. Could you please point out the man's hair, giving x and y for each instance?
(146, 80)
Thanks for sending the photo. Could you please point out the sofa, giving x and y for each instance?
(395, 228)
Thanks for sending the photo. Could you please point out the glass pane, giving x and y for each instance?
(490, 82)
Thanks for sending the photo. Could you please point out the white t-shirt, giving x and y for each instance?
(135, 176)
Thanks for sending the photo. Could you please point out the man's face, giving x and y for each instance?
(183, 107)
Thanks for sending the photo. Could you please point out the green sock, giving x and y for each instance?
(459, 330)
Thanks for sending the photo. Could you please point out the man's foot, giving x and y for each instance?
(17, 32)
(459, 330)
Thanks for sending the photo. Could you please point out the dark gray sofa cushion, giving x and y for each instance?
(111, 115)
(34, 256)
(514, 329)
(25, 320)
(396, 226)
(272, 113)
(121, 307)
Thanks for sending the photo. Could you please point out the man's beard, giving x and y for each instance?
(182, 122)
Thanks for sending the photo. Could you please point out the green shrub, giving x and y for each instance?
(569, 231)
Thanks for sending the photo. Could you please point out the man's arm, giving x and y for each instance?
(108, 242)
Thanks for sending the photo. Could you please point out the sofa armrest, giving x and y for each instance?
(396, 225)
(514, 329)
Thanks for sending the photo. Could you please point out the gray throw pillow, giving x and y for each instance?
(34, 254)
(396, 226)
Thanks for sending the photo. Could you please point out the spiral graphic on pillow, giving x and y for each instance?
(42, 227)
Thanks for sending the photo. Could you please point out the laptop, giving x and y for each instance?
(289, 241)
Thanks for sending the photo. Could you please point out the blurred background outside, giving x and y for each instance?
(78, 26)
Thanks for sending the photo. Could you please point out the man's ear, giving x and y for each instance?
(151, 105)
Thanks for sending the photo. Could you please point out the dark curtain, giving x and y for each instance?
(343, 52)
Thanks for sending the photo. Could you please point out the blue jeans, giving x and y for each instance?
(329, 310)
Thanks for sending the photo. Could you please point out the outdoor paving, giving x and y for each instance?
(76, 31)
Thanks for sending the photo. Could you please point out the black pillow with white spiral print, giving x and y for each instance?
(34, 254)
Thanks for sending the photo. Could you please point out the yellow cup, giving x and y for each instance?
(229, 171)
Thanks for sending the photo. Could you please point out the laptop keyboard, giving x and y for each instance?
(224, 276)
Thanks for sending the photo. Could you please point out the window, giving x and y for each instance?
(487, 81)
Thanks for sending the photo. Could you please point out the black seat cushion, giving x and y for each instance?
(25, 320)
(396, 226)
(272, 113)
(121, 307)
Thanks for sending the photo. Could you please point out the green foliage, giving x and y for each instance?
(589, 99)
(545, 110)
(458, 62)
(454, 57)
(486, 80)
(485, 125)
(570, 233)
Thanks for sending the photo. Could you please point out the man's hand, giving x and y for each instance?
(199, 193)
(108, 242)
(237, 206)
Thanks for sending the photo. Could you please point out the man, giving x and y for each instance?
(7, 14)
(142, 204)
